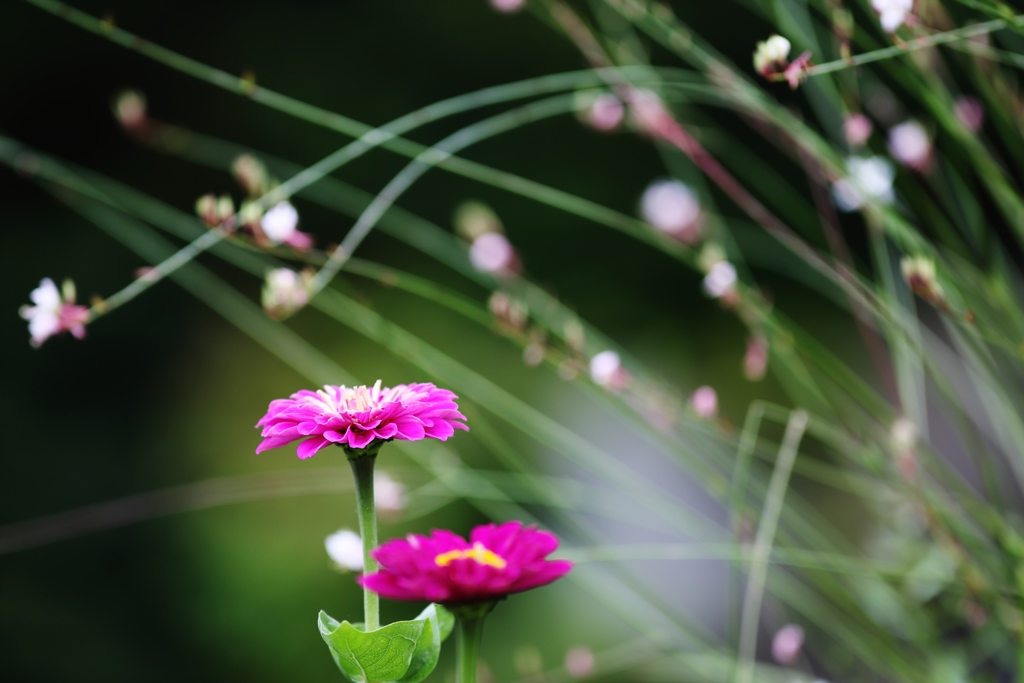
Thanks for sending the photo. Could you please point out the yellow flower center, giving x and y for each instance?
(478, 553)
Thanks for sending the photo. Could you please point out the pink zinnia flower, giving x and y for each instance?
(356, 416)
(496, 560)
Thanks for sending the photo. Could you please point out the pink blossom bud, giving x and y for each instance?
(492, 253)
(704, 402)
(920, 275)
(970, 113)
(508, 6)
(345, 548)
(673, 208)
(755, 361)
(787, 643)
(130, 110)
(605, 113)
(910, 145)
(579, 661)
(857, 129)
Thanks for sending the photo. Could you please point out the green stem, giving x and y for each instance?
(467, 647)
(362, 470)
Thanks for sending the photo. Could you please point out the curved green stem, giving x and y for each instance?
(362, 470)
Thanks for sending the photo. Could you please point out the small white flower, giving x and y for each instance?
(280, 222)
(910, 145)
(492, 253)
(604, 368)
(345, 548)
(43, 318)
(671, 207)
(892, 13)
(284, 292)
(870, 178)
(130, 109)
(388, 494)
(772, 55)
(720, 280)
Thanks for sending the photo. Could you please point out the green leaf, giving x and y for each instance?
(402, 652)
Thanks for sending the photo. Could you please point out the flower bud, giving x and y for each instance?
(772, 56)
(787, 643)
(130, 110)
(910, 145)
(508, 6)
(704, 402)
(251, 174)
(579, 661)
(720, 280)
(492, 253)
(970, 113)
(755, 361)
(606, 371)
(673, 208)
(857, 129)
(870, 178)
(284, 292)
(389, 495)
(216, 211)
(475, 219)
(919, 272)
(601, 111)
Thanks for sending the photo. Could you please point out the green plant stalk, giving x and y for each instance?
(763, 545)
(362, 469)
(467, 648)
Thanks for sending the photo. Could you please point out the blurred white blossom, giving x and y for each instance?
(772, 55)
(606, 369)
(579, 661)
(389, 495)
(284, 292)
(345, 548)
(673, 208)
(910, 145)
(492, 253)
(870, 178)
(787, 643)
(892, 13)
(720, 280)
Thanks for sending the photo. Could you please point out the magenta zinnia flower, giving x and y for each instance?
(446, 568)
(357, 416)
